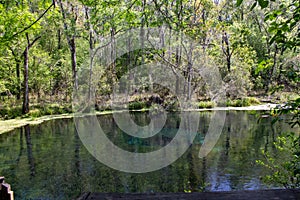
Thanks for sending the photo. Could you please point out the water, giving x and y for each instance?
(48, 161)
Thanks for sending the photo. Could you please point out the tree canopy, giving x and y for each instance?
(254, 44)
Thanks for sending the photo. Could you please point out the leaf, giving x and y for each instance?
(274, 121)
(273, 39)
(263, 3)
(239, 2)
(253, 6)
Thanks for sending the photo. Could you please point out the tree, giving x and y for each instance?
(70, 23)
(25, 108)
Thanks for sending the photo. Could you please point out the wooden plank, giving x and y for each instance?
(277, 194)
(5, 190)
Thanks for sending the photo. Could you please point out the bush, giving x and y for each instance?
(137, 105)
(285, 169)
(234, 103)
(206, 104)
(285, 164)
(251, 101)
(10, 113)
(247, 101)
(34, 113)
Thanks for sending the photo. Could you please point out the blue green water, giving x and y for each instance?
(49, 161)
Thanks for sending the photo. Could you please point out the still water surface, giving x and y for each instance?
(48, 161)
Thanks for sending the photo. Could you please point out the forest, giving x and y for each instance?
(46, 43)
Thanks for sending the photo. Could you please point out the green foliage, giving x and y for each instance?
(292, 108)
(206, 104)
(259, 51)
(285, 168)
(36, 111)
(10, 112)
(137, 105)
(247, 101)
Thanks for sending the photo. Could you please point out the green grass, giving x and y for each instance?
(35, 111)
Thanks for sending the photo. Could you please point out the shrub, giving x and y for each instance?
(246, 101)
(285, 169)
(285, 164)
(34, 113)
(206, 104)
(137, 105)
(10, 113)
(250, 101)
(234, 103)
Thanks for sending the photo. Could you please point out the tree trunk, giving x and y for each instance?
(18, 80)
(25, 108)
(271, 71)
(71, 43)
(226, 50)
(189, 72)
(91, 45)
(73, 61)
(281, 65)
(18, 63)
(59, 46)
(113, 59)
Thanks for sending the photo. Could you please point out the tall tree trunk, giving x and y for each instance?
(91, 45)
(271, 71)
(73, 61)
(18, 63)
(71, 43)
(189, 72)
(226, 50)
(59, 46)
(113, 58)
(281, 65)
(25, 108)
(18, 80)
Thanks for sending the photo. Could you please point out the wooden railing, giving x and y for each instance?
(5, 191)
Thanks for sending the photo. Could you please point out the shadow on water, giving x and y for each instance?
(29, 150)
(55, 164)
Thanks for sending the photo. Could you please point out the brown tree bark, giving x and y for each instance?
(25, 107)
(18, 80)
(71, 43)
(18, 63)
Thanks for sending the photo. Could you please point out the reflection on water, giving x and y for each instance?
(48, 161)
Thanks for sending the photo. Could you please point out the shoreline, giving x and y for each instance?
(11, 124)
